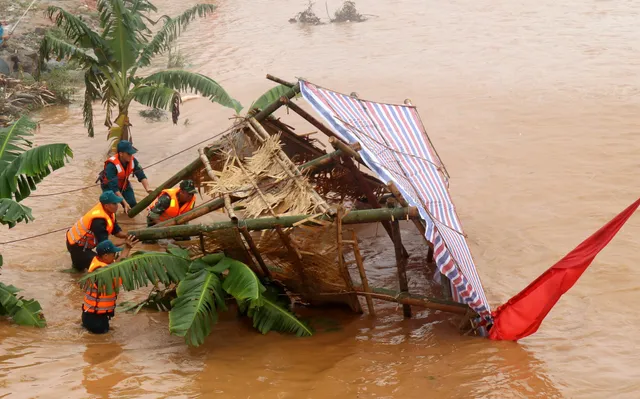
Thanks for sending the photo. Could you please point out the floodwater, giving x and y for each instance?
(534, 107)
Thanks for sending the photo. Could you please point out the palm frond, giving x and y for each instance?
(123, 39)
(60, 49)
(270, 96)
(139, 270)
(171, 30)
(26, 312)
(194, 311)
(241, 282)
(269, 316)
(157, 97)
(184, 81)
(12, 212)
(76, 30)
(22, 167)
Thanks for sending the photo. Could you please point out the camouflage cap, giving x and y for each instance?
(188, 186)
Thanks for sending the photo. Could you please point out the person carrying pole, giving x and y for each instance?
(93, 228)
(99, 307)
(116, 173)
(172, 202)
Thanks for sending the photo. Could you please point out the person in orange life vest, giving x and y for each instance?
(93, 228)
(98, 307)
(117, 171)
(172, 202)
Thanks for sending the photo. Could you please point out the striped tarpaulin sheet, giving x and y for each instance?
(395, 146)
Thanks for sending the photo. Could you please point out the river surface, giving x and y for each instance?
(534, 106)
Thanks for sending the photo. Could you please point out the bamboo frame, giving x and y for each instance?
(363, 274)
(213, 177)
(255, 251)
(401, 261)
(289, 168)
(355, 304)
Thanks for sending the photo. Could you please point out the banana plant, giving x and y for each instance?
(113, 55)
(22, 167)
(203, 288)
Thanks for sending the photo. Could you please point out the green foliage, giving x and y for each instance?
(139, 270)
(111, 57)
(203, 286)
(21, 165)
(194, 311)
(270, 96)
(26, 312)
(12, 212)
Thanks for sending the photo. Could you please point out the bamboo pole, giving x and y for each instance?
(197, 163)
(213, 177)
(309, 118)
(290, 169)
(254, 250)
(349, 149)
(363, 275)
(193, 214)
(401, 260)
(273, 107)
(295, 256)
(418, 223)
(240, 242)
(415, 300)
(172, 181)
(353, 217)
(201, 210)
(355, 304)
(281, 81)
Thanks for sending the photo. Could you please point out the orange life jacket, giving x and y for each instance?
(96, 300)
(123, 175)
(79, 233)
(174, 208)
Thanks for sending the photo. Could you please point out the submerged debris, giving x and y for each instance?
(348, 13)
(154, 114)
(307, 16)
(17, 96)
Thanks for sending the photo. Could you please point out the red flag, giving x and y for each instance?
(522, 315)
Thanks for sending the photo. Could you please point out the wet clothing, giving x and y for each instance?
(167, 206)
(98, 306)
(116, 176)
(93, 228)
(96, 323)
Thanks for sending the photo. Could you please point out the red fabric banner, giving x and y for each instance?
(522, 315)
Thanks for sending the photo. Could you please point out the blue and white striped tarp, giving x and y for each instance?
(396, 148)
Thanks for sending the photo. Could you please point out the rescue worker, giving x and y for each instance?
(93, 228)
(117, 171)
(172, 202)
(98, 306)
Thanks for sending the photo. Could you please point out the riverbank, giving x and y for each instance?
(19, 92)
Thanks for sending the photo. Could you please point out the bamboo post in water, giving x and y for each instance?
(255, 251)
(295, 256)
(353, 217)
(363, 274)
(350, 150)
(354, 303)
(401, 260)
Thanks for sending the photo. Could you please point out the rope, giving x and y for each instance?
(150, 166)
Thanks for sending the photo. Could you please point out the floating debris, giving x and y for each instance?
(307, 16)
(348, 13)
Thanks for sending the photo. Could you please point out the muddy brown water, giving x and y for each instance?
(534, 107)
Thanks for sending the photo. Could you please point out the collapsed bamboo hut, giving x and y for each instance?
(290, 205)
